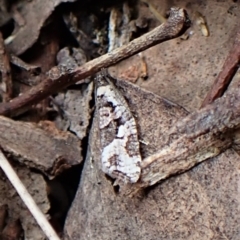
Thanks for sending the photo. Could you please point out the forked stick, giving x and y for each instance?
(59, 79)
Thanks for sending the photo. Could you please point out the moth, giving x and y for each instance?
(120, 155)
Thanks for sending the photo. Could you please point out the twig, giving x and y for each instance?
(225, 76)
(119, 23)
(27, 199)
(112, 29)
(154, 11)
(193, 139)
(6, 81)
(59, 78)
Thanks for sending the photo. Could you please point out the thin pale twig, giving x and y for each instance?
(27, 199)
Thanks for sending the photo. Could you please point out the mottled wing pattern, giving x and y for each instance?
(119, 141)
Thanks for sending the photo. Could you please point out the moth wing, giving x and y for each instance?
(118, 132)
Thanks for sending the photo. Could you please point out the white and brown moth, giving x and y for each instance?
(118, 132)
